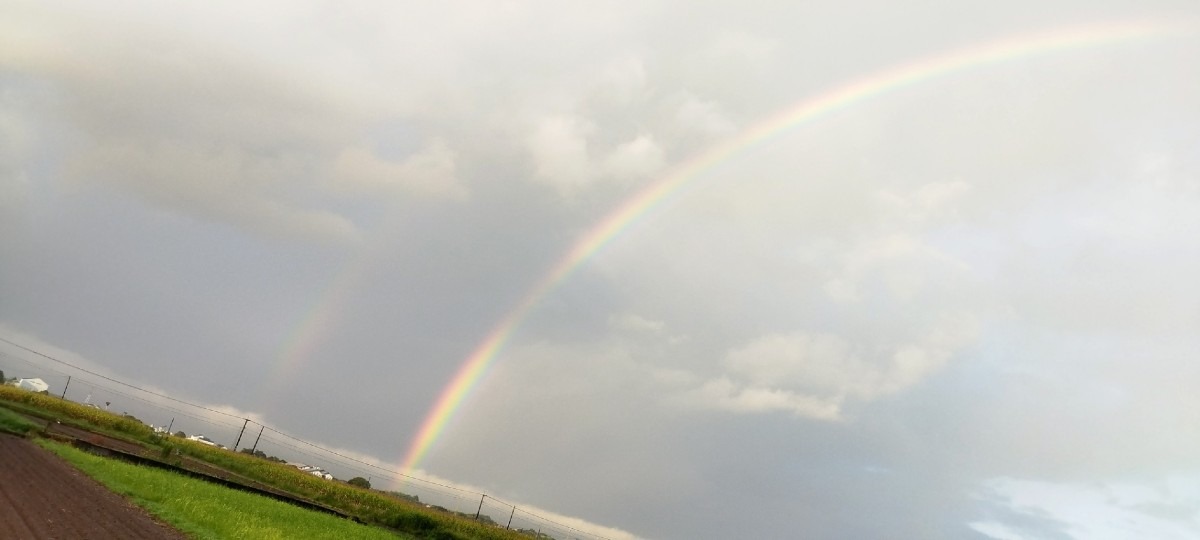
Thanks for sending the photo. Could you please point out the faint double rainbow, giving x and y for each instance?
(475, 367)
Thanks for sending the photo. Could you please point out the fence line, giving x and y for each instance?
(476, 501)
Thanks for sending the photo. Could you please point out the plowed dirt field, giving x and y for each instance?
(42, 497)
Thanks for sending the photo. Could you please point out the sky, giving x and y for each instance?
(758, 269)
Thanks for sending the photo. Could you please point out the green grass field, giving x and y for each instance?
(370, 506)
(205, 510)
(11, 422)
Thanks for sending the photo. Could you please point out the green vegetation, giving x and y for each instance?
(371, 506)
(359, 481)
(261, 454)
(404, 496)
(54, 408)
(396, 511)
(11, 422)
(206, 510)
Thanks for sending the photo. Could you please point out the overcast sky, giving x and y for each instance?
(962, 308)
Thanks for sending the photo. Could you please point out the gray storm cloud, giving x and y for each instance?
(964, 308)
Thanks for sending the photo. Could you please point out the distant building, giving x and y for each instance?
(33, 385)
(206, 441)
(313, 470)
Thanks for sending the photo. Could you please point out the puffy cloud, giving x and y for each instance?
(204, 129)
(705, 117)
(624, 80)
(636, 159)
(228, 185)
(817, 375)
(559, 148)
(724, 394)
(984, 274)
(632, 322)
(429, 172)
(564, 158)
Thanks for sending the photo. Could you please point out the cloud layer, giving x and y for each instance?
(964, 308)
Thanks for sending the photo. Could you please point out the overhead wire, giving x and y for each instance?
(395, 475)
(122, 383)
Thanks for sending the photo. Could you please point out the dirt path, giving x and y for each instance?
(42, 497)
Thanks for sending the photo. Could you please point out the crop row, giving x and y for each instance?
(368, 505)
(75, 411)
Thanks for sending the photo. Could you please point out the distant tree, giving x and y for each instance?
(360, 482)
(405, 496)
(258, 454)
(180, 434)
(2, 379)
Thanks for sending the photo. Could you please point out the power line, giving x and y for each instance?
(396, 475)
(372, 465)
(181, 412)
(51, 358)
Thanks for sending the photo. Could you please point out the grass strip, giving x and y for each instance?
(11, 422)
(370, 506)
(208, 511)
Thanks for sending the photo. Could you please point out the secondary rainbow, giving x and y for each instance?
(484, 355)
(314, 327)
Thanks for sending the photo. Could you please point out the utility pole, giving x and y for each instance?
(169, 426)
(239, 440)
(510, 515)
(65, 386)
(477, 510)
(260, 430)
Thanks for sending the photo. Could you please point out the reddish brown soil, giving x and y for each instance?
(43, 497)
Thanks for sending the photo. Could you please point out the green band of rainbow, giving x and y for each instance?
(477, 364)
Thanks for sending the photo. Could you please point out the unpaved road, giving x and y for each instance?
(42, 497)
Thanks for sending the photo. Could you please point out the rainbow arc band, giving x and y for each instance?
(476, 366)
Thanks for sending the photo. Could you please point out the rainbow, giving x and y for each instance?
(475, 367)
(314, 327)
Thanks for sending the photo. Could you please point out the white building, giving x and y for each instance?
(33, 385)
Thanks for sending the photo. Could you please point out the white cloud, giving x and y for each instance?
(632, 322)
(745, 47)
(705, 117)
(837, 270)
(636, 159)
(928, 202)
(816, 375)
(227, 184)
(559, 148)
(624, 80)
(724, 394)
(429, 172)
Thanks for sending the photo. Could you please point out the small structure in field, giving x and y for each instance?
(313, 470)
(33, 385)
